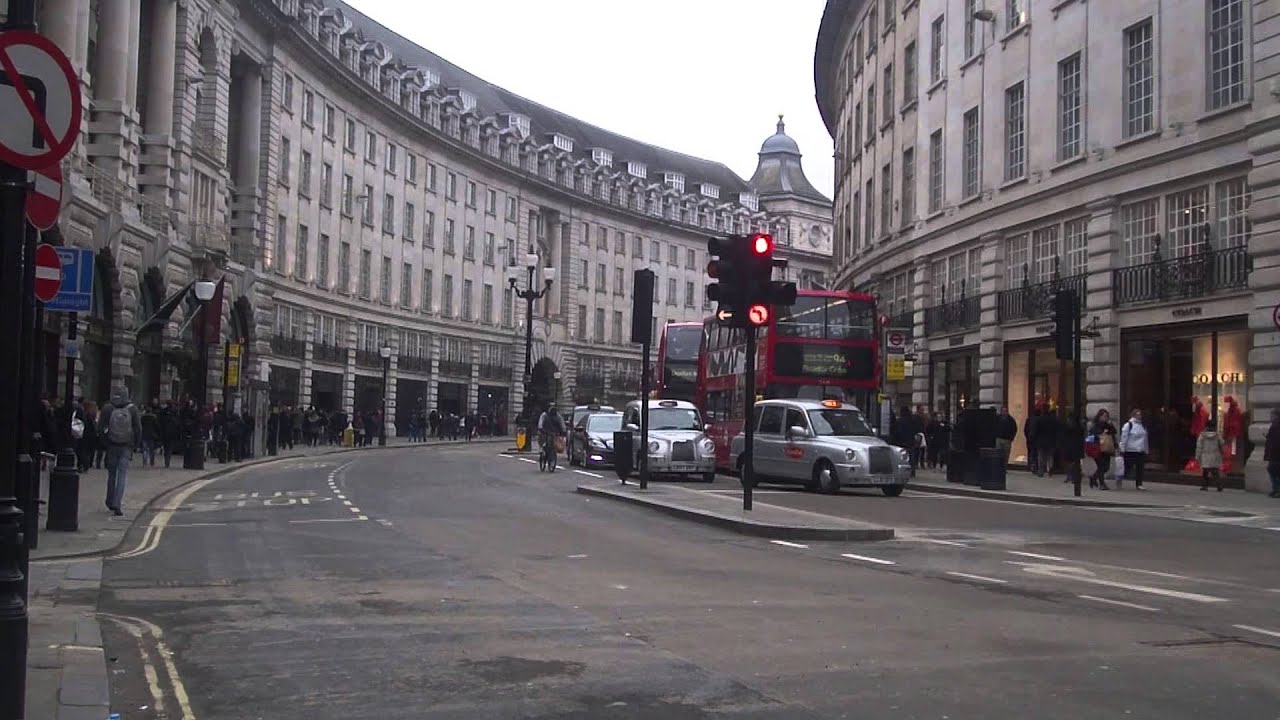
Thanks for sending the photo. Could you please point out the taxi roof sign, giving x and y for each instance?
(831, 403)
(667, 403)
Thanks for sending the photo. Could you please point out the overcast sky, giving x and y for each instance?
(704, 77)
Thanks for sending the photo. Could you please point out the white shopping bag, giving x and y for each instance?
(1119, 467)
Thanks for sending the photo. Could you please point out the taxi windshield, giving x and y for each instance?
(673, 419)
(839, 423)
(604, 423)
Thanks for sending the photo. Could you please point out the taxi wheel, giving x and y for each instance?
(826, 479)
(708, 477)
(892, 490)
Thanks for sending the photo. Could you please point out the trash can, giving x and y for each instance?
(624, 453)
(522, 439)
(991, 469)
(955, 466)
(193, 459)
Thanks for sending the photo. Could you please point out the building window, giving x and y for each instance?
(935, 171)
(1139, 80)
(871, 112)
(688, 294)
(673, 254)
(489, 243)
(619, 283)
(491, 202)
(870, 216)
(407, 223)
(349, 136)
(286, 162)
(672, 298)
(282, 244)
(330, 116)
(886, 198)
(1232, 208)
(1070, 117)
(448, 236)
(410, 168)
(1016, 258)
(370, 147)
(599, 334)
(1138, 230)
(970, 28)
(428, 229)
(857, 128)
(326, 185)
(322, 261)
(909, 89)
(300, 253)
(486, 304)
(601, 278)
(406, 285)
(431, 177)
(389, 214)
(1226, 49)
(655, 251)
(1015, 148)
(508, 300)
(471, 194)
(348, 194)
(584, 274)
(466, 299)
(384, 283)
(1044, 254)
(391, 159)
(469, 244)
(936, 37)
(888, 94)
(451, 186)
(512, 208)
(426, 302)
(304, 174)
(286, 97)
(344, 267)
(873, 22)
(446, 296)
(617, 328)
(366, 206)
(511, 252)
(908, 186)
(602, 238)
(972, 158)
(1185, 214)
(366, 274)
(637, 247)
(1075, 246)
(1016, 13)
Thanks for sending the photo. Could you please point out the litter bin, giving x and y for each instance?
(193, 459)
(624, 453)
(955, 466)
(991, 471)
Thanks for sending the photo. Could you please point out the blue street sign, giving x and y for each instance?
(76, 294)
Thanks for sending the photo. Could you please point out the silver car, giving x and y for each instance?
(678, 444)
(824, 445)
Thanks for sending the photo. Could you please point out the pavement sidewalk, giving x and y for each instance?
(1023, 486)
(764, 520)
(66, 665)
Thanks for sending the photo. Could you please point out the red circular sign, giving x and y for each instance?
(1275, 317)
(48, 272)
(896, 339)
(758, 314)
(44, 199)
(41, 118)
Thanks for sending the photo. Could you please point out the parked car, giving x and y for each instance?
(678, 444)
(575, 415)
(593, 439)
(822, 444)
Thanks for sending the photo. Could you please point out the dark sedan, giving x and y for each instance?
(593, 439)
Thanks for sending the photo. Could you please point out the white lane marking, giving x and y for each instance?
(166, 656)
(534, 462)
(213, 524)
(1121, 603)
(578, 556)
(1038, 556)
(937, 541)
(1081, 575)
(327, 520)
(589, 474)
(1262, 631)
(347, 503)
(980, 578)
(1277, 529)
(384, 522)
(1157, 573)
(362, 517)
(785, 543)
(354, 509)
(864, 558)
(505, 455)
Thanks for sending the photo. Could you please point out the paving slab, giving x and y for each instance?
(764, 520)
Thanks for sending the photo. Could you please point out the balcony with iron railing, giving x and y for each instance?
(455, 368)
(904, 319)
(368, 358)
(1035, 302)
(1203, 272)
(414, 363)
(325, 353)
(293, 347)
(495, 372)
(962, 313)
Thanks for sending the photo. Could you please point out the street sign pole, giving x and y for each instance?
(748, 447)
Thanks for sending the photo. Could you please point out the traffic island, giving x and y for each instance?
(725, 511)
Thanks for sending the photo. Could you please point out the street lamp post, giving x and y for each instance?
(385, 351)
(530, 295)
(203, 290)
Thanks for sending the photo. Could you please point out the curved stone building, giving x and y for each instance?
(991, 152)
(369, 205)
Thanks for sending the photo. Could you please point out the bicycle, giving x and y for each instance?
(547, 457)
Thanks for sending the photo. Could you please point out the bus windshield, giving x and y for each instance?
(683, 343)
(674, 419)
(824, 318)
(839, 423)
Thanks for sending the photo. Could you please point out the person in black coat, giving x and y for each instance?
(1029, 432)
(1047, 431)
(170, 431)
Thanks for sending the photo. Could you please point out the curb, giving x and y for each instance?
(233, 468)
(968, 491)
(743, 526)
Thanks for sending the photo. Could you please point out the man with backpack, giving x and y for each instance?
(120, 426)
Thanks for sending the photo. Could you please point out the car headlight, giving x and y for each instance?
(708, 447)
(655, 447)
(851, 455)
(903, 455)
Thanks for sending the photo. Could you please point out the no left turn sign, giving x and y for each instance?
(40, 101)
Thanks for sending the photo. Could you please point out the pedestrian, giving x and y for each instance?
(1047, 430)
(121, 428)
(1134, 446)
(170, 432)
(1029, 432)
(1271, 452)
(1006, 431)
(1106, 434)
(150, 433)
(1209, 452)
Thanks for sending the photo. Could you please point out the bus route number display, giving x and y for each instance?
(824, 361)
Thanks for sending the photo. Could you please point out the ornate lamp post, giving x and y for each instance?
(530, 294)
(385, 352)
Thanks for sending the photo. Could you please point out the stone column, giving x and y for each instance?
(349, 372)
(991, 337)
(113, 119)
(160, 73)
(1102, 376)
(473, 389)
(250, 130)
(58, 20)
(1264, 282)
(112, 83)
(920, 370)
(131, 72)
(308, 359)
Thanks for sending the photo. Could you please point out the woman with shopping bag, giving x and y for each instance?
(1105, 433)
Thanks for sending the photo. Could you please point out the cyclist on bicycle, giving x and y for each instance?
(550, 425)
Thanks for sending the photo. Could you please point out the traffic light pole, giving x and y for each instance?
(749, 445)
(1077, 380)
(644, 416)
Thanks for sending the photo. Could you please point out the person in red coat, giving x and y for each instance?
(1199, 418)
(1232, 430)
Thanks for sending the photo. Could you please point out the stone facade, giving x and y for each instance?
(358, 193)
(1101, 147)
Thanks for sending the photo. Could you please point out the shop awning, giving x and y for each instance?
(165, 311)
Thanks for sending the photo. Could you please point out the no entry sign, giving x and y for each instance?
(48, 272)
(39, 101)
(44, 199)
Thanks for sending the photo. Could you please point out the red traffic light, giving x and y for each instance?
(713, 269)
(761, 244)
(758, 315)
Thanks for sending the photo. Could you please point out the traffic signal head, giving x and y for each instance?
(1066, 317)
(758, 314)
(762, 245)
(725, 266)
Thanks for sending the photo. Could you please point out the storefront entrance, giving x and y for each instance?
(285, 383)
(451, 398)
(326, 390)
(953, 381)
(1035, 379)
(1181, 376)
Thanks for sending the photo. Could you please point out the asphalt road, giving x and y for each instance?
(457, 583)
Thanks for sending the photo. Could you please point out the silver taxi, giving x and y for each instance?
(824, 445)
(678, 444)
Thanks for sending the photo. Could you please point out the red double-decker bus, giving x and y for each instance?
(825, 345)
(676, 374)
